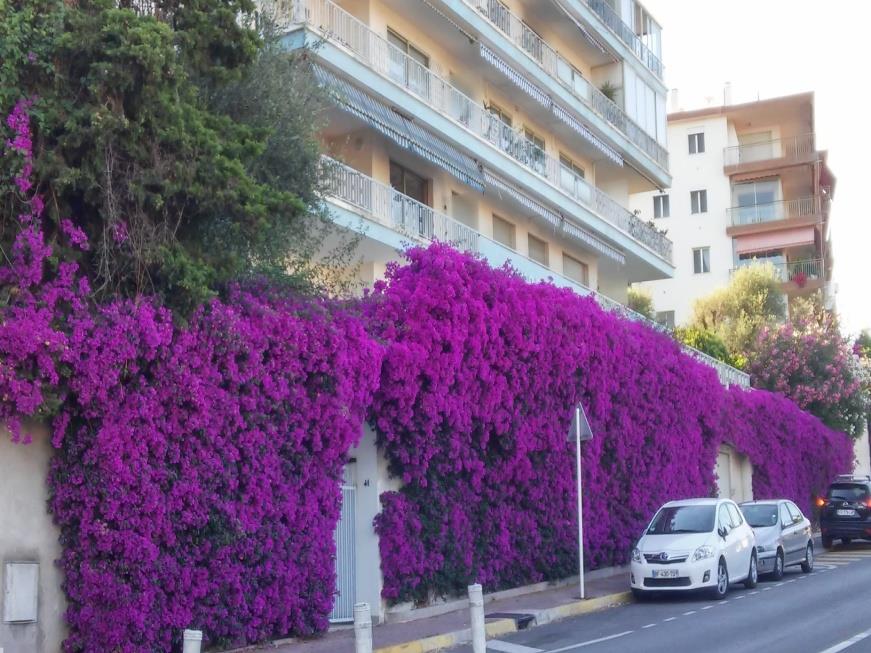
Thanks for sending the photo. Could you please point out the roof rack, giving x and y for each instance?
(854, 477)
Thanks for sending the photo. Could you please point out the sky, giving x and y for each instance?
(767, 48)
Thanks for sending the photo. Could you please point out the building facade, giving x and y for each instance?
(749, 186)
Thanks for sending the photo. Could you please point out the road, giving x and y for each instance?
(826, 611)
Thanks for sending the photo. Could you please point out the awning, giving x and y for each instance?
(593, 41)
(780, 239)
(575, 124)
(516, 78)
(555, 219)
(400, 129)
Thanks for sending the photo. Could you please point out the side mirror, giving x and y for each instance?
(722, 531)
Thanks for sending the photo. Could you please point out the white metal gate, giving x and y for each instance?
(346, 559)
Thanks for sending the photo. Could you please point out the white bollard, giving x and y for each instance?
(193, 640)
(476, 608)
(362, 628)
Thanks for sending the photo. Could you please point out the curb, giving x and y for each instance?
(499, 627)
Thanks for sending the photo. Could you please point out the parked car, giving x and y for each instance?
(694, 544)
(845, 511)
(783, 536)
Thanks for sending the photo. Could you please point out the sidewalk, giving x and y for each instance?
(443, 631)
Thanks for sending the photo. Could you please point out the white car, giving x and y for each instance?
(695, 544)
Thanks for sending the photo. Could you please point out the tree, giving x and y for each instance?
(641, 301)
(738, 312)
(809, 361)
(710, 344)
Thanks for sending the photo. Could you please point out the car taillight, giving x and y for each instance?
(820, 502)
(868, 503)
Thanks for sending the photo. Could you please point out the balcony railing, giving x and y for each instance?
(558, 67)
(393, 209)
(420, 222)
(626, 34)
(788, 149)
(337, 25)
(796, 271)
(784, 210)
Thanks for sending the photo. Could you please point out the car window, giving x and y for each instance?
(735, 515)
(851, 492)
(760, 515)
(682, 519)
(723, 519)
(797, 515)
(785, 517)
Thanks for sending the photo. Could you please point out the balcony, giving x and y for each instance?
(778, 152)
(558, 68)
(346, 187)
(799, 273)
(804, 207)
(626, 34)
(335, 25)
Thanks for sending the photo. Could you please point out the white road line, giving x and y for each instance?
(508, 647)
(847, 643)
(779, 585)
(767, 589)
(688, 613)
(591, 642)
(707, 607)
(670, 619)
(791, 580)
(738, 598)
(754, 592)
(649, 626)
(799, 578)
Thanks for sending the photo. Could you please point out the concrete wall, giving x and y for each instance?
(27, 534)
(862, 453)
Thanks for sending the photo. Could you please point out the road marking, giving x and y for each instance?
(670, 619)
(847, 643)
(779, 585)
(707, 607)
(649, 626)
(767, 589)
(688, 613)
(508, 647)
(738, 598)
(799, 578)
(591, 642)
(754, 592)
(791, 581)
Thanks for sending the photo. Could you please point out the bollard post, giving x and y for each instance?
(476, 608)
(362, 628)
(192, 641)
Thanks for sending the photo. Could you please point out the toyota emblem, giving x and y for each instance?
(663, 556)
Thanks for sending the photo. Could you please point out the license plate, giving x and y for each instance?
(846, 512)
(665, 573)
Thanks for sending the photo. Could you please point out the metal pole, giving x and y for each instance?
(362, 628)
(580, 501)
(476, 609)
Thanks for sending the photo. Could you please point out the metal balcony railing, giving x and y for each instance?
(772, 211)
(796, 271)
(626, 34)
(337, 25)
(559, 68)
(788, 149)
(393, 209)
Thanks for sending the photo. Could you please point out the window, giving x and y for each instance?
(698, 201)
(576, 270)
(569, 175)
(504, 232)
(571, 166)
(409, 205)
(665, 318)
(682, 519)
(408, 183)
(785, 517)
(701, 260)
(797, 516)
(755, 202)
(723, 518)
(735, 515)
(661, 208)
(537, 249)
(697, 143)
(500, 113)
(537, 155)
(410, 70)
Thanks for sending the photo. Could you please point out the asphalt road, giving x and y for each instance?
(826, 611)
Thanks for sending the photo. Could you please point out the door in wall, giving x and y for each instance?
(346, 559)
(724, 475)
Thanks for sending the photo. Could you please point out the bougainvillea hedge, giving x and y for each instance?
(472, 413)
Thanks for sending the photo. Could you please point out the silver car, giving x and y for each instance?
(783, 536)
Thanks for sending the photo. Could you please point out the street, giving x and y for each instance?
(822, 612)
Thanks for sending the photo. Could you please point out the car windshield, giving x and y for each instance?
(848, 492)
(682, 519)
(760, 514)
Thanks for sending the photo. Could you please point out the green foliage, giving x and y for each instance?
(710, 344)
(863, 344)
(641, 301)
(178, 191)
(738, 312)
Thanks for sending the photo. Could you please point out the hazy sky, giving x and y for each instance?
(778, 47)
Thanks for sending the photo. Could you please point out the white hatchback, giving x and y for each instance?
(694, 544)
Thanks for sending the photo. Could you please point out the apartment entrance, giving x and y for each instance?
(346, 559)
(734, 475)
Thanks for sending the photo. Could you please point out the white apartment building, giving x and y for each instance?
(749, 186)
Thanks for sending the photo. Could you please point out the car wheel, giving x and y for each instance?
(808, 565)
(777, 574)
(846, 541)
(827, 542)
(752, 573)
(720, 590)
(640, 595)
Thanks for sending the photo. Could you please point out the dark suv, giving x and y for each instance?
(845, 512)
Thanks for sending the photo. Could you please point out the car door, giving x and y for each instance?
(787, 533)
(742, 542)
(802, 528)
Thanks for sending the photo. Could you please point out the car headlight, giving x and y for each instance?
(636, 555)
(703, 552)
(760, 548)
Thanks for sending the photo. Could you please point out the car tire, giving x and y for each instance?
(846, 541)
(827, 542)
(777, 574)
(753, 573)
(807, 566)
(719, 591)
(640, 595)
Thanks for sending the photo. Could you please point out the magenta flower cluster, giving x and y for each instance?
(472, 413)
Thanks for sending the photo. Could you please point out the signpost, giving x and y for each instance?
(582, 432)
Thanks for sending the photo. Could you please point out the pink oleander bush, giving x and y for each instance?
(478, 382)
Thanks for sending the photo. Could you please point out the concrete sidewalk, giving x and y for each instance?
(450, 629)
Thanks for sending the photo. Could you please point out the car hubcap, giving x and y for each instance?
(721, 580)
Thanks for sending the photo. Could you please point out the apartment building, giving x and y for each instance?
(750, 186)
